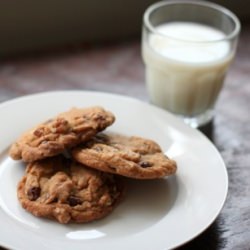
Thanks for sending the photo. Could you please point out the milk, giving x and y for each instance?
(184, 74)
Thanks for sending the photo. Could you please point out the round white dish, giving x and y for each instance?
(155, 215)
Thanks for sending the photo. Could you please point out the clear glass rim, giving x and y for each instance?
(223, 10)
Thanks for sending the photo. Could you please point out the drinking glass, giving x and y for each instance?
(187, 48)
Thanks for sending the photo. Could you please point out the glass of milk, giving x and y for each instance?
(187, 47)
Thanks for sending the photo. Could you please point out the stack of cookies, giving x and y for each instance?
(74, 171)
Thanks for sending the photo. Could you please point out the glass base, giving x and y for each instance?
(199, 120)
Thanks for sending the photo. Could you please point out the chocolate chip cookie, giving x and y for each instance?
(61, 189)
(133, 157)
(62, 132)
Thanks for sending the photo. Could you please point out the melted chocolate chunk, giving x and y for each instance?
(34, 193)
(145, 164)
(73, 201)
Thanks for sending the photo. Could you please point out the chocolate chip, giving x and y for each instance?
(55, 200)
(73, 201)
(34, 193)
(145, 164)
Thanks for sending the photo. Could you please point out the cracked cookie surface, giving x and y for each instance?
(61, 189)
(134, 157)
(60, 133)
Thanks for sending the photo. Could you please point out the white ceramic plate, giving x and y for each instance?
(155, 215)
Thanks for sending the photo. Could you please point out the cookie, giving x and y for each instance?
(60, 189)
(62, 132)
(133, 157)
